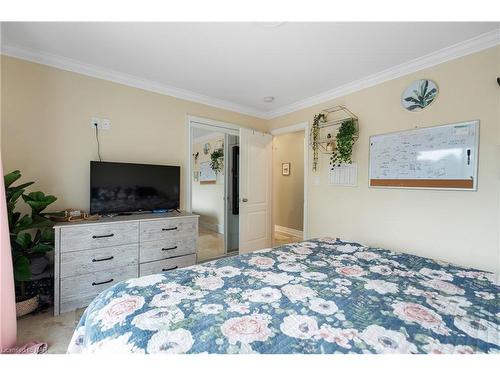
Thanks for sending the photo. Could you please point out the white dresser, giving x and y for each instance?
(91, 256)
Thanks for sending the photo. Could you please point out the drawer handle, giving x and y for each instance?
(169, 269)
(102, 259)
(104, 236)
(167, 229)
(103, 282)
(169, 248)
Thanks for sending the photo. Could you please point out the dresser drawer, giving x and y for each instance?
(96, 236)
(168, 229)
(79, 291)
(166, 265)
(169, 248)
(89, 261)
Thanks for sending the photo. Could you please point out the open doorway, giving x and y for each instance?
(214, 190)
(288, 187)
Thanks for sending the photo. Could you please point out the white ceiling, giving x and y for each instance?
(235, 65)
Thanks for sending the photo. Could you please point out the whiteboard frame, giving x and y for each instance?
(476, 123)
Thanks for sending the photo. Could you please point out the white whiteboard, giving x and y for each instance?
(207, 174)
(439, 157)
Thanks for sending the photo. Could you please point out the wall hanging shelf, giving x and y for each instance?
(336, 116)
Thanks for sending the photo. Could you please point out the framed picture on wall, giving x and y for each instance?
(285, 169)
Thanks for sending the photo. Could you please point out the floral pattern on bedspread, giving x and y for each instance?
(318, 296)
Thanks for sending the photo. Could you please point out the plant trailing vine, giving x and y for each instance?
(217, 160)
(345, 139)
(318, 118)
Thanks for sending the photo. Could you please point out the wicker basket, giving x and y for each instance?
(27, 306)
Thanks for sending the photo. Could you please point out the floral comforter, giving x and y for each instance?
(319, 296)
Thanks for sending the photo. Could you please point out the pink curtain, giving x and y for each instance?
(8, 324)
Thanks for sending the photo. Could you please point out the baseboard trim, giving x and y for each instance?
(289, 231)
(219, 228)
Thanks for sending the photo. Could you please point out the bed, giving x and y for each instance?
(317, 296)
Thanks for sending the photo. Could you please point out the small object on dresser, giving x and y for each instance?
(71, 214)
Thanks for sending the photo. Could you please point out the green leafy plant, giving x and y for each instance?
(421, 98)
(318, 118)
(345, 139)
(31, 235)
(217, 160)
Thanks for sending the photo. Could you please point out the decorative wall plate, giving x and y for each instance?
(419, 95)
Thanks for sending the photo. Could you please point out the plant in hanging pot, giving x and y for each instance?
(345, 138)
(318, 119)
(217, 160)
(31, 237)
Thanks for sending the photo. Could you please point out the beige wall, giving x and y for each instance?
(46, 131)
(456, 226)
(288, 191)
(208, 199)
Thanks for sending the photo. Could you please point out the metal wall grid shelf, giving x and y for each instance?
(335, 125)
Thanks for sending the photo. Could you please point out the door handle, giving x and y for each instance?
(244, 200)
(102, 259)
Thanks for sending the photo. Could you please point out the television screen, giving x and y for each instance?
(126, 187)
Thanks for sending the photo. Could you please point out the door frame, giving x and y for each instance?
(302, 126)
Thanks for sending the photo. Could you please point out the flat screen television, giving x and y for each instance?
(128, 188)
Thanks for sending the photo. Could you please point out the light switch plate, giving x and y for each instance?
(316, 180)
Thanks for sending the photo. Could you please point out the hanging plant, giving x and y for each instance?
(318, 118)
(345, 139)
(217, 160)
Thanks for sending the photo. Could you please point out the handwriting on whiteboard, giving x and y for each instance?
(441, 152)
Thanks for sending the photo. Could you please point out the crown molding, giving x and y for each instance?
(452, 52)
(75, 66)
(455, 51)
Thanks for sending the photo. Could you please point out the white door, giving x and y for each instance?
(255, 190)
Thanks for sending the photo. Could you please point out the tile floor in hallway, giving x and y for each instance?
(57, 330)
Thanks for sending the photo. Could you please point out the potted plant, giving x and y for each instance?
(31, 236)
(318, 118)
(345, 138)
(217, 160)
